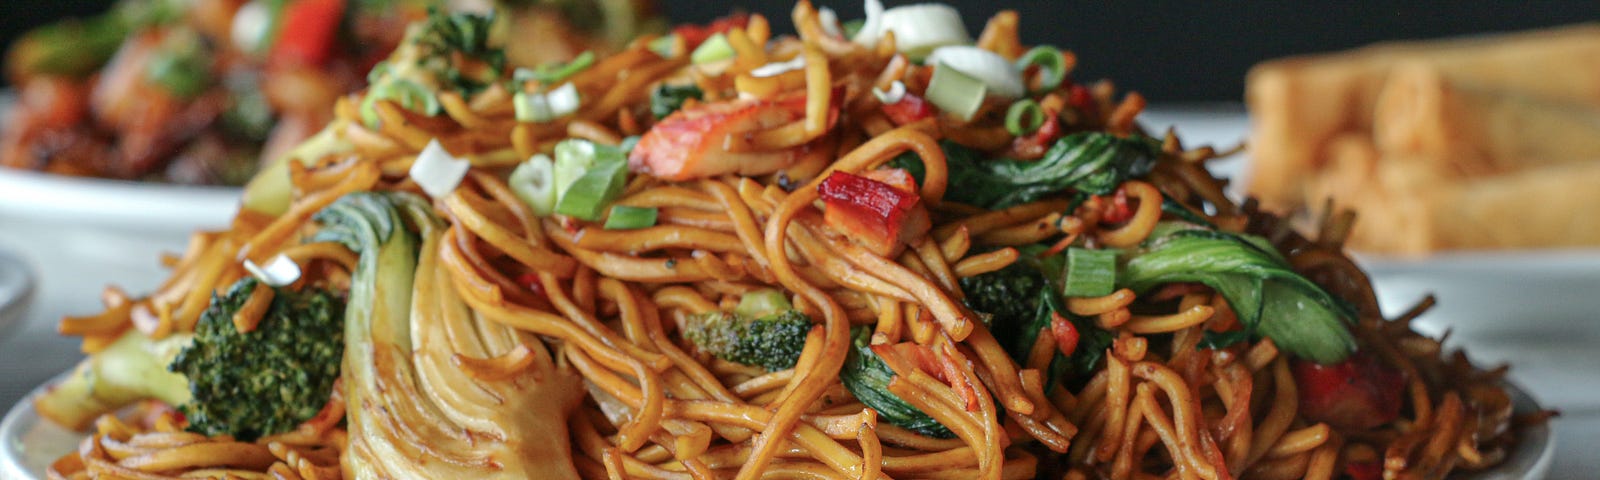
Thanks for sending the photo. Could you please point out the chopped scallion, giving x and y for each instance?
(552, 73)
(534, 182)
(532, 107)
(563, 100)
(714, 49)
(666, 46)
(1052, 66)
(1090, 273)
(1024, 117)
(624, 217)
(589, 177)
(956, 93)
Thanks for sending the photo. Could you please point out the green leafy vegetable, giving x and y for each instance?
(867, 377)
(1020, 300)
(773, 341)
(269, 380)
(1260, 286)
(668, 98)
(1093, 163)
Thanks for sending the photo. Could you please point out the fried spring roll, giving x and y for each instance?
(1298, 104)
(1406, 209)
(1470, 131)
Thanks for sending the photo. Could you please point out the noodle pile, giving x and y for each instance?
(610, 305)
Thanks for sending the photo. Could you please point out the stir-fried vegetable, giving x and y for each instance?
(867, 377)
(1260, 286)
(300, 340)
(589, 177)
(668, 98)
(764, 330)
(445, 52)
(403, 383)
(1087, 163)
(881, 214)
(215, 374)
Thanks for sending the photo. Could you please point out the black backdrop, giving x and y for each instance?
(1170, 50)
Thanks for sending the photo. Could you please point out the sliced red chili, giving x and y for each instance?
(1065, 332)
(910, 108)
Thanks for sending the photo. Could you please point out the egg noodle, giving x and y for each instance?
(584, 325)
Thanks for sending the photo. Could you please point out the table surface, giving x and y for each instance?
(1547, 331)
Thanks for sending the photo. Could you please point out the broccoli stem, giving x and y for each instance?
(132, 368)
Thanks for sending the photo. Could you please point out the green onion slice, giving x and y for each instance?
(1052, 66)
(956, 93)
(589, 177)
(624, 217)
(1024, 117)
(552, 73)
(534, 181)
(1090, 273)
(666, 46)
(714, 49)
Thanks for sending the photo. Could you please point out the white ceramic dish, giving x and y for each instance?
(16, 292)
(119, 205)
(28, 444)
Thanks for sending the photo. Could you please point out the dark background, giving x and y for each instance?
(1172, 51)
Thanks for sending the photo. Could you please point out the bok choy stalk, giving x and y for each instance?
(412, 412)
(1269, 298)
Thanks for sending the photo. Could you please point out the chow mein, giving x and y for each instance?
(873, 249)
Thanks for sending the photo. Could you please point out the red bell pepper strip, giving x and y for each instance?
(1357, 394)
(876, 215)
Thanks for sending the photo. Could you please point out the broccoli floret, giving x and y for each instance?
(1009, 295)
(247, 385)
(772, 341)
(269, 380)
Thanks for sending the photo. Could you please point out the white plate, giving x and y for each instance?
(120, 205)
(28, 444)
(16, 292)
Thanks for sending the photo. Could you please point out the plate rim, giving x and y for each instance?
(18, 285)
(116, 203)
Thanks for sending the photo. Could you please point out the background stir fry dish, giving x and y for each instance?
(195, 92)
(876, 249)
